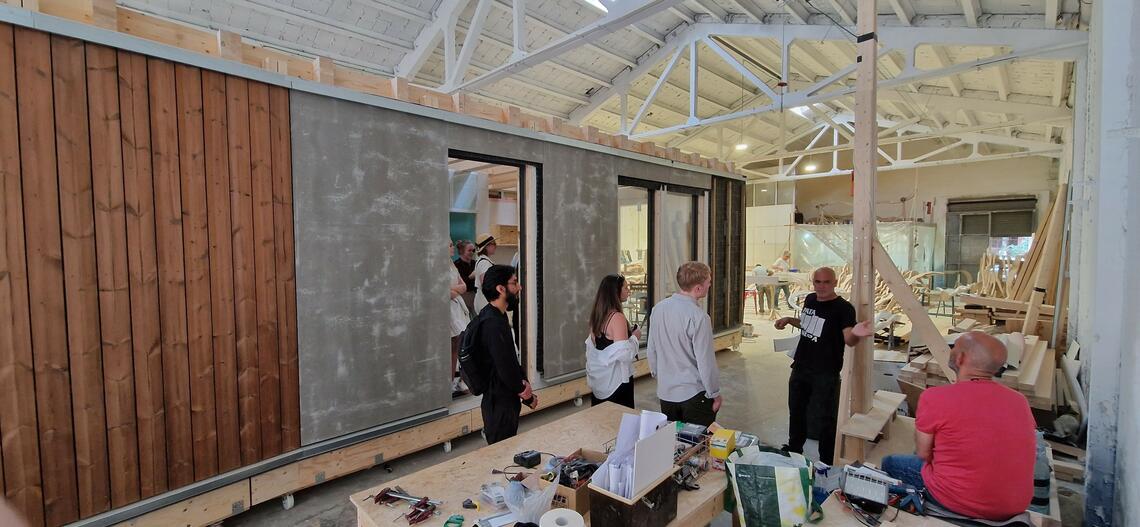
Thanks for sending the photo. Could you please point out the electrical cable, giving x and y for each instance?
(833, 21)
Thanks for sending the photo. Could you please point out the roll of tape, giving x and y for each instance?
(561, 518)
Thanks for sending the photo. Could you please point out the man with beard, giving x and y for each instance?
(507, 387)
(975, 439)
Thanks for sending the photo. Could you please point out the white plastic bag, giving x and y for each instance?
(526, 504)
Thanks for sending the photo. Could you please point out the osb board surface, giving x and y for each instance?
(460, 478)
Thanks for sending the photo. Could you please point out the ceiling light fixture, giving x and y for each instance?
(810, 167)
(741, 146)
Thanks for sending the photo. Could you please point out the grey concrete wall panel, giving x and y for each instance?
(491, 143)
(651, 172)
(370, 202)
(579, 247)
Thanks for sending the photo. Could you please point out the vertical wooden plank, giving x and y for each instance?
(196, 241)
(856, 390)
(45, 275)
(245, 290)
(80, 280)
(18, 423)
(114, 288)
(142, 273)
(171, 274)
(221, 272)
(264, 269)
(286, 277)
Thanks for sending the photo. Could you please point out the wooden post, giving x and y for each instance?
(1045, 275)
(856, 395)
(229, 45)
(324, 70)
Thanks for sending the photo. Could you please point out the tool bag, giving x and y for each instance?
(772, 488)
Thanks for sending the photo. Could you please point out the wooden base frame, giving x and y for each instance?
(235, 498)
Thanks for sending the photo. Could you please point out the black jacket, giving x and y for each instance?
(496, 338)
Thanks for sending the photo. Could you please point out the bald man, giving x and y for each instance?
(975, 438)
(827, 323)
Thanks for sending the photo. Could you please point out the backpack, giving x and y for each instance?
(474, 364)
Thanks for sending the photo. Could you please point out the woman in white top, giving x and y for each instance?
(459, 319)
(611, 346)
(485, 246)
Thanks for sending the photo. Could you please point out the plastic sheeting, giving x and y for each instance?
(910, 245)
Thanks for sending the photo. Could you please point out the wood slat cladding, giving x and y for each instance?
(726, 230)
(147, 293)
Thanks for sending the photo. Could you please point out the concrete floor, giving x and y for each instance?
(754, 380)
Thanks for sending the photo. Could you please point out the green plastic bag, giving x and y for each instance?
(771, 488)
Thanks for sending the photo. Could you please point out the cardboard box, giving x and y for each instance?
(576, 499)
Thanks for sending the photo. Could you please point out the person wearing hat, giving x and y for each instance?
(485, 246)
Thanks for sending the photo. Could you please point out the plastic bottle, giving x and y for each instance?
(1041, 478)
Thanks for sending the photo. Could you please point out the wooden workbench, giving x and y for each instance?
(460, 478)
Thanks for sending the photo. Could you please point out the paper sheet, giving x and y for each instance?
(650, 422)
(642, 454)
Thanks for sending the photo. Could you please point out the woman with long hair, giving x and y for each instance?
(611, 346)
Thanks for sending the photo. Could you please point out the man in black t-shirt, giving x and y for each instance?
(826, 324)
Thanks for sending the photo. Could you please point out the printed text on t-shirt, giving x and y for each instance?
(811, 325)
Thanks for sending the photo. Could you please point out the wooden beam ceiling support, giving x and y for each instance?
(1002, 73)
(796, 11)
(943, 60)
(904, 10)
(971, 9)
(756, 15)
(1060, 82)
(1052, 13)
(846, 14)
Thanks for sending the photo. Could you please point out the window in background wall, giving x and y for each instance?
(773, 193)
(635, 213)
(975, 227)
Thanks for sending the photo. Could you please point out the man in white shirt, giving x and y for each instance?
(782, 264)
(680, 350)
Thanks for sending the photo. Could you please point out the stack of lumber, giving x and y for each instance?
(1034, 377)
(1006, 286)
(1009, 313)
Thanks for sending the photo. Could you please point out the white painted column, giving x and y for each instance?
(1112, 485)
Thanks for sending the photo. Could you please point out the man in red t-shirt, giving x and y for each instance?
(975, 439)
